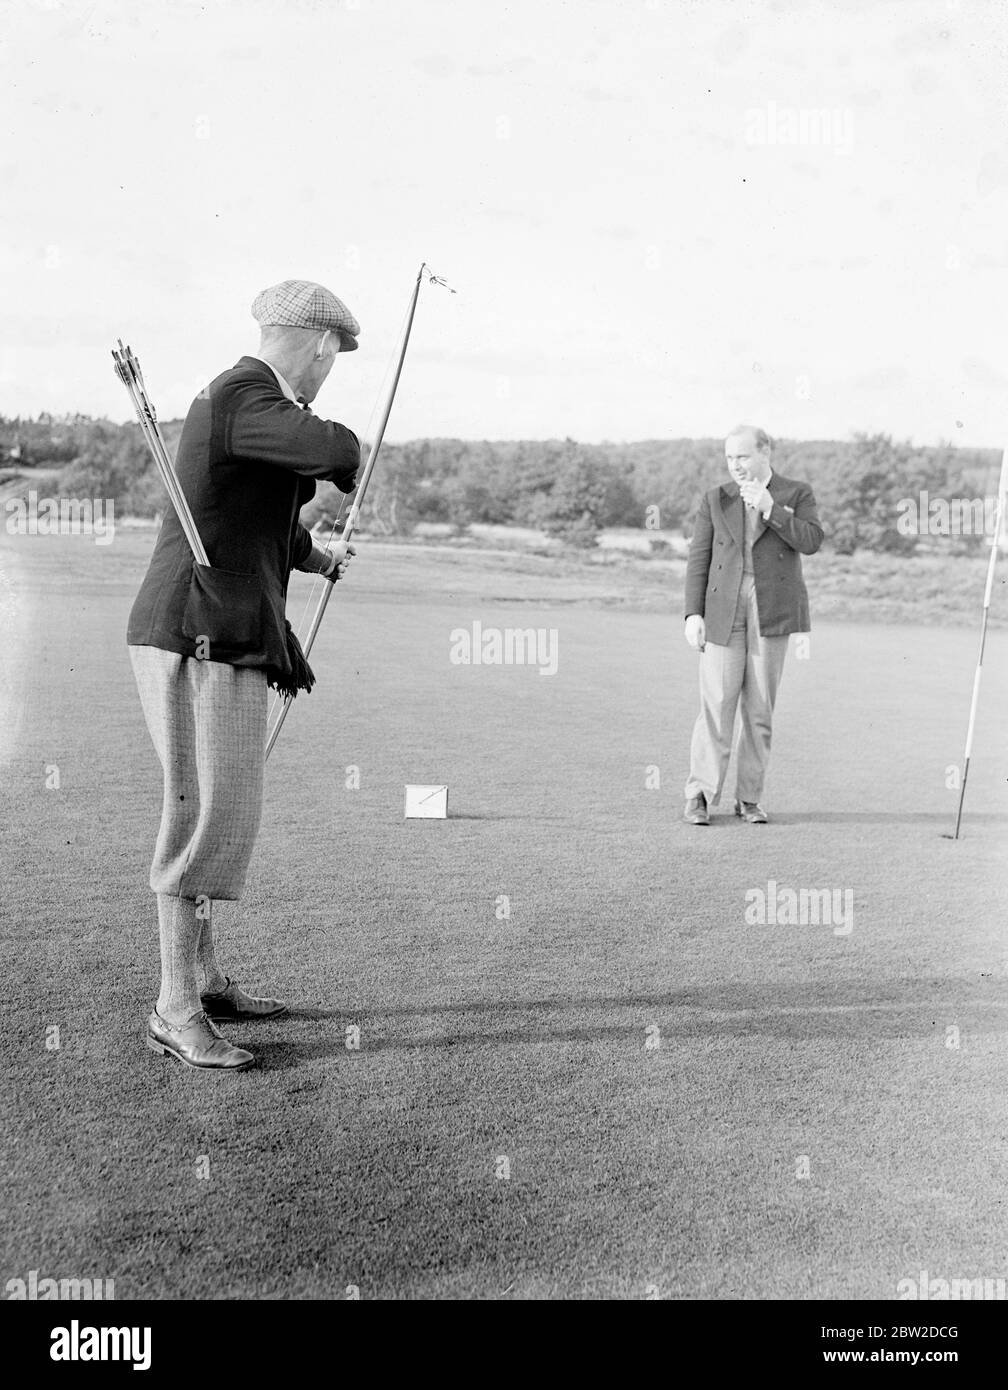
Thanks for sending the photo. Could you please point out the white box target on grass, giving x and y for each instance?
(426, 803)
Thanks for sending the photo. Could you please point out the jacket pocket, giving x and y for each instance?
(223, 613)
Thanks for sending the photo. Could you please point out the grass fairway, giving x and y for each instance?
(632, 1169)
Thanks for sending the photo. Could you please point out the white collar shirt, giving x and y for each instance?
(282, 381)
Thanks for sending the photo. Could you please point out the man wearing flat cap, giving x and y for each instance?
(205, 642)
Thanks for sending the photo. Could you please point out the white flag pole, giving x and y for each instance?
(988, 591)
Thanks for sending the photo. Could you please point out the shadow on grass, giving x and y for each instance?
(888, 818)
(801, 1012)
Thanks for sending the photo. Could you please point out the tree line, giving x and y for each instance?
(567, 489)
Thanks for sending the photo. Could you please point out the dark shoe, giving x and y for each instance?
(751, 811)
(197, 1043)
(232, 1002)
(696, 812)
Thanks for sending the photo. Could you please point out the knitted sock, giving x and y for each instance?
(215, 979)
(180, 931)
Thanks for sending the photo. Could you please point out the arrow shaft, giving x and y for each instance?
(128, 370)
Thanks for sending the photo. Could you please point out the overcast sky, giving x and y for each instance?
(652, 228)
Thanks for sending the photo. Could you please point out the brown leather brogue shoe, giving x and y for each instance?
(197, 1043)
(232, 1002)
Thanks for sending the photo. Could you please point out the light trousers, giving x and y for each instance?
(207, 721)
(743, 677)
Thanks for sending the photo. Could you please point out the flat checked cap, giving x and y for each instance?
(303, 304)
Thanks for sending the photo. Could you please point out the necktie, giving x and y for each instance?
(751, 520)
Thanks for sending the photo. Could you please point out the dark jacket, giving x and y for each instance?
(714, 568)
(248, 460)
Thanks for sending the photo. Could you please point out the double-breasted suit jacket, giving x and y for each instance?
(714, 567)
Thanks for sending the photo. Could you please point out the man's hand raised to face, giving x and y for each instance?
(756, 495)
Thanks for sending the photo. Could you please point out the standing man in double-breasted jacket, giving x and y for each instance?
(745, 595)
